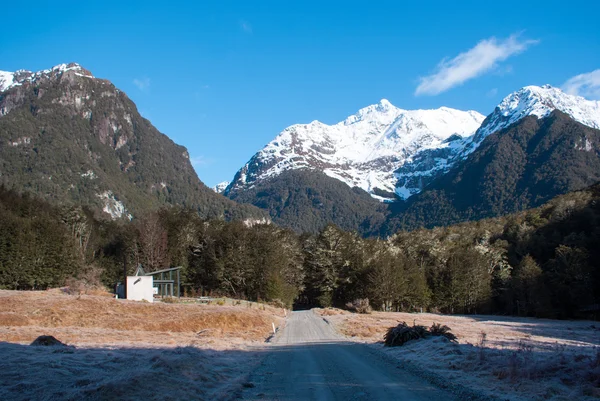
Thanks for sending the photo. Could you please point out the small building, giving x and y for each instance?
(143, 286)
(167, 282)
(140, 288)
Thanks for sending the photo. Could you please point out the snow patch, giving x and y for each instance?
(585, 145)
(7, 80)
(89, 174)
(540, 102)
(254, 222)
(220, 187)
(11, 79)
(114, 127)
(24, 140)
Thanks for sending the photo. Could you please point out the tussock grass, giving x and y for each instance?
(56, 310)
(330, 312)
(360, 306)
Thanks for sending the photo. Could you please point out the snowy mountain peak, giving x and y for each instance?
(7, 80)
(220, 187)
(363, 150)
(379, 112)
(540, 101)
(12, 79)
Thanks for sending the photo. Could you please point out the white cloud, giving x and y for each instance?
(492, 92)
(586, 85)
(246, 27)
(200, 161)
(468, 65)
(142, 83)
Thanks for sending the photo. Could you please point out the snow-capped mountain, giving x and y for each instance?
(364, 150)
(540, 102)
(427, 164)
(220, 187)
(11, 79)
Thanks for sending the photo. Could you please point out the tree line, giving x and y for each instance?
(542, 262)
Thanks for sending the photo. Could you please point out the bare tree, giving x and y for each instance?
(153, 243)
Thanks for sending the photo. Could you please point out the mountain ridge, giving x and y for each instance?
(71, 137)
(362, 150)
(519, 167)
(429, 164)
(410, 149)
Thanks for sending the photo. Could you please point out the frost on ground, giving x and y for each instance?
(44, 373)
(127, 350)
(500, 357)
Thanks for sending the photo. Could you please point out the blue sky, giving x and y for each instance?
(223, 78)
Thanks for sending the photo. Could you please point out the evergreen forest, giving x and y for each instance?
(542, 262)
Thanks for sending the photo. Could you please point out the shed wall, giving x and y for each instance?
(140, 288)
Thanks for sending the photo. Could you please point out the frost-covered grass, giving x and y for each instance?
(182, 373)
(504, 357)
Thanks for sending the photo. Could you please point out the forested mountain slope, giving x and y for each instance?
(70, 137)
(307, 200)
(516, 168)
(541, 262)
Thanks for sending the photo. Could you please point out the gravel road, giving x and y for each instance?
(308, 360)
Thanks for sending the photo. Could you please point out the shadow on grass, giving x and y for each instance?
(329, 370)
(585, 331)
(69, 373)
(526, 370)
(321, 370)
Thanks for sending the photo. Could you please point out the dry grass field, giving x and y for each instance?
(103, 320)
(125, 349)
(504, 357)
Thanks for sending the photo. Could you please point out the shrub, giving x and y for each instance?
(170, 300)
(437, 329)
(47, 341)
(359, 306)
(403, 333)
(481, 345)
(277, 303)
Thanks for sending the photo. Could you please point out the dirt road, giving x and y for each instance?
(310, 361)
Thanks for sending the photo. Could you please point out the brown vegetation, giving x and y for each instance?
(360, 306)
(97, 320)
